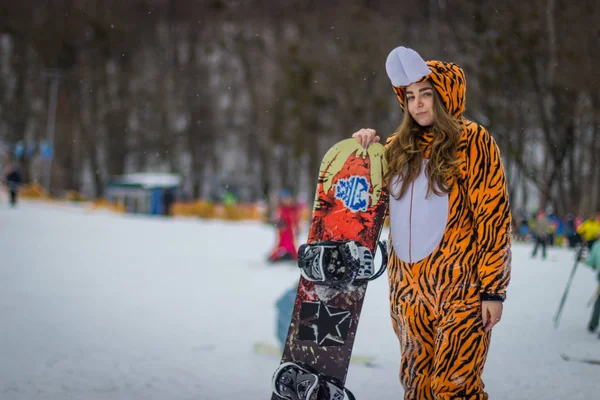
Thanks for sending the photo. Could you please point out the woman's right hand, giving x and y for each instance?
(366, 136)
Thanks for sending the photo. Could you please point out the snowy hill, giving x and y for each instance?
(100, 306)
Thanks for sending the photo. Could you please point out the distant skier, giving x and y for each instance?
(287, 222)
(557, 232)
(540, 227)
(594, 262)
(571, 231)
(589, 230)
(13, 182)
(168, 199)
(522, 228)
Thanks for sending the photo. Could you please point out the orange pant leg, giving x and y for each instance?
(412, 319)
(416, 336)
(437, 318)
(461, 347)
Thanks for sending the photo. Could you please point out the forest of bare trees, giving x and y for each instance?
(250, 93)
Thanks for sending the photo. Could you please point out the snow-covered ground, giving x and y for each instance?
(101, 306)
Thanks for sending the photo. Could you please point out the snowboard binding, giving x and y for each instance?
(339, 263)
(299, 381)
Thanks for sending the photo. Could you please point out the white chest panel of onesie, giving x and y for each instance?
(417, 221)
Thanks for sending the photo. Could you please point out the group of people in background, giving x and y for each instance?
(548, 229)
(582, 234)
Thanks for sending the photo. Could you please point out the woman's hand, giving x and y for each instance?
(365, 137)
(492, 313)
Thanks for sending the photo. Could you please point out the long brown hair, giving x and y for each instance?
(404, 156)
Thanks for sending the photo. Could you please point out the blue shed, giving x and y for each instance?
(144, 193)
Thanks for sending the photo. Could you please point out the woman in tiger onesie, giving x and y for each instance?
(450, 230)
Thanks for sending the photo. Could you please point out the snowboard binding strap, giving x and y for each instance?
(339, 263)
(299, 381)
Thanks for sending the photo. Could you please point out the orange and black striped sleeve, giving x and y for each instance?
(488, 197)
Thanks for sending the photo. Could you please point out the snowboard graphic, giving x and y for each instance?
(336, 264)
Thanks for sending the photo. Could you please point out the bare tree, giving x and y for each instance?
(252, 93)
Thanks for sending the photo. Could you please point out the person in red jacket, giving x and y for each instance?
(286, 220)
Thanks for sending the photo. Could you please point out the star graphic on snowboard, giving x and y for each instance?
(324, 325)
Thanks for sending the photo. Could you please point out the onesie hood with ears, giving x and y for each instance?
(405, 66)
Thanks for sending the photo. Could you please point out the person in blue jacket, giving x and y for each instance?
(285, 308)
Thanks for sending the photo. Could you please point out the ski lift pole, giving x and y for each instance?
(566, 292)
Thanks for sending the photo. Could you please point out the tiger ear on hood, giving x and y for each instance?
(405, 66)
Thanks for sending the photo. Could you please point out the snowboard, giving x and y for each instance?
(271, 350)
(350, 205)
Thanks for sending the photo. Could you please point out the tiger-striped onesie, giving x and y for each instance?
(448, 253)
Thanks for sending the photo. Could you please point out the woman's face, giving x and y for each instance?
(419, 99)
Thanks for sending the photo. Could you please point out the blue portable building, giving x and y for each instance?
(143, 193)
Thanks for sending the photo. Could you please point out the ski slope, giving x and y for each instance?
(101, 306)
